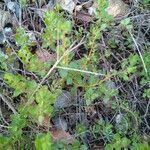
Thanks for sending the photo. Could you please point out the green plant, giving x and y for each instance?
(118, 143)
(39, 83)
(43, 142)
(103, 128)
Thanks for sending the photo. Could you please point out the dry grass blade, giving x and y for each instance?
(79, 70)
(138, 51)
(8, 103)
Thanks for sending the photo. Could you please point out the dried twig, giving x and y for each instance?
(52, 68)
(79, 70)
(5, 100)
(138, 51)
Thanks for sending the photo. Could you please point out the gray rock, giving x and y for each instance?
(63, 101)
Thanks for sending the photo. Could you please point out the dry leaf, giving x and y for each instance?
(83, 17)
(44, 55)
(62, 135)
(45, 121)
(60, 123)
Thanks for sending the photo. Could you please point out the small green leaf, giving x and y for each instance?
(63, 73)
(44, 142)
(125, 22)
